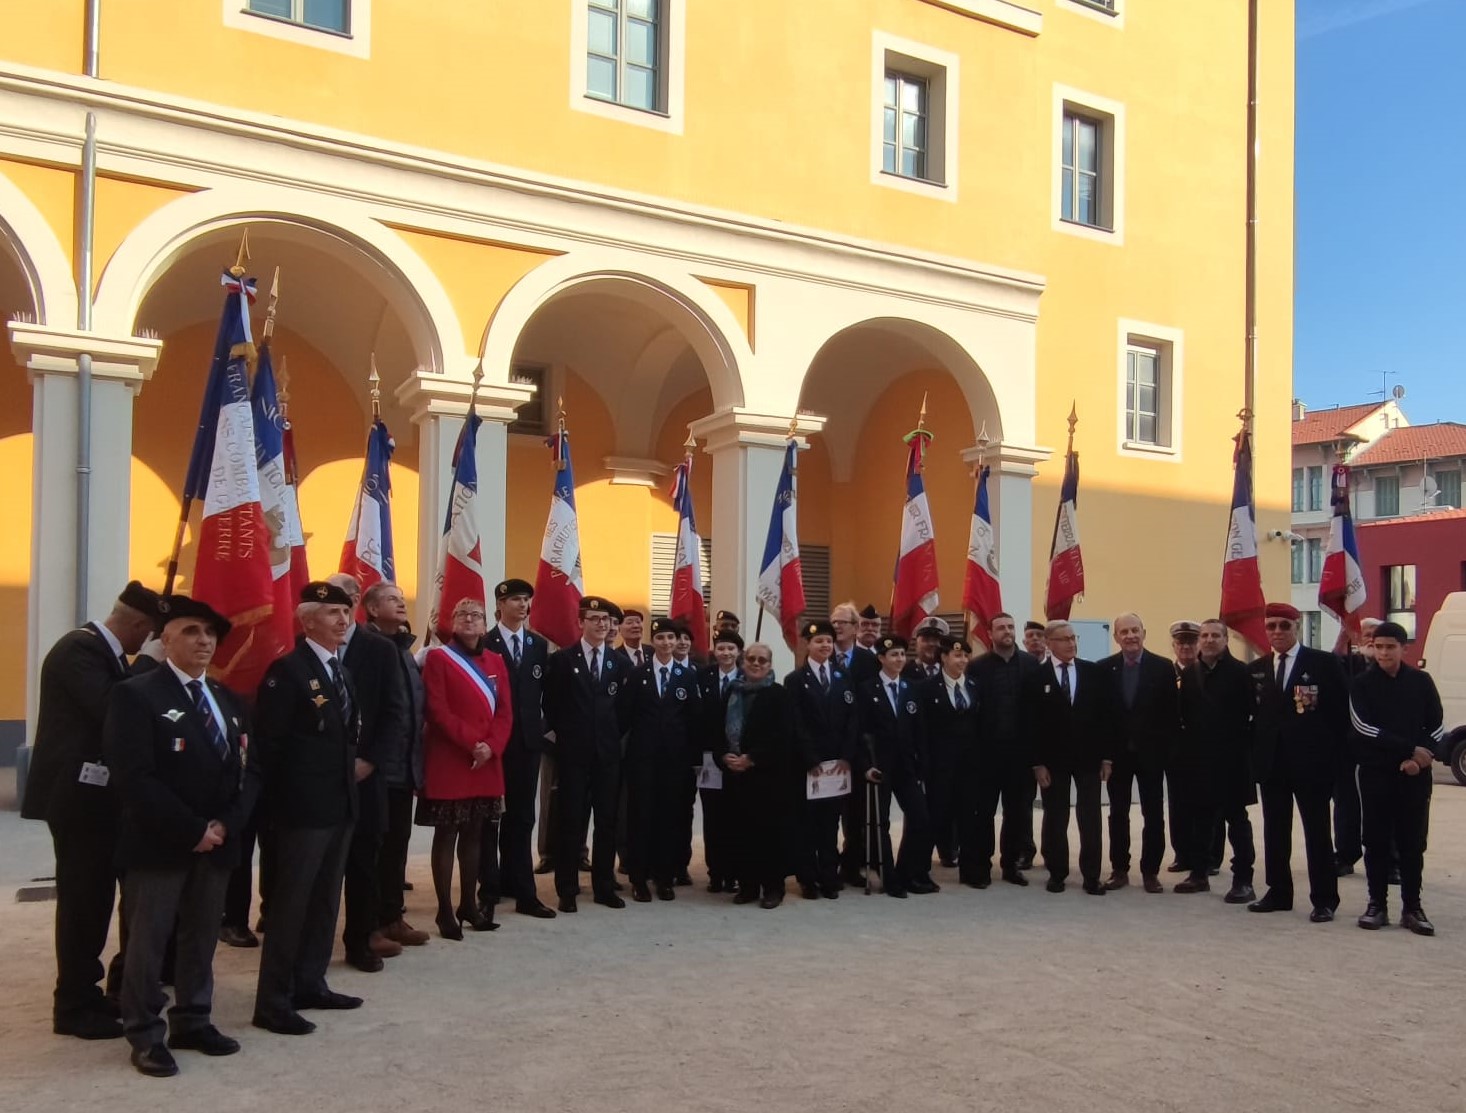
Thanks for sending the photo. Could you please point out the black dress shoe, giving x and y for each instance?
(682, 880)
(364, 961)
(155, 1061)
(1192, 884)
(1414, 919)
(745, 896)
(772, 900)
(207, 1039)
(1054, 885)
(233, 936)
(545, 866)
(88, 1025)
(1177, 866)
(1343, 869)
(947, 863)
(478, 918)
(1270, 903)
(1240, 894)
(290, 1024)
(809, 892)
(1321, 915)
(640, 893)
(567, 905)
(899, 894)
(1095, 888)
(923, 886)
(539, 910)
(666, 892)
(715, 884)
(1117, 880)
(1025, 862)
(1013, 877)
(329, 1000)
(584, 864)
(407, 886)
(981, 881)
(854, 878)
(611, 900)
(1375, 917)
(830, 892)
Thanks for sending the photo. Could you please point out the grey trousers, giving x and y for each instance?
(305, 900)
(193, 899)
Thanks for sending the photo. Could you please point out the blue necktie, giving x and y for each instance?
(211, 724)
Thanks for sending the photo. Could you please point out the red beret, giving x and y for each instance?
(1283, 610)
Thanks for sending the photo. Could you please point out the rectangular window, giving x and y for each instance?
(1149, 404)
(320, 15)
(1298, 559)
(1386, 496)
(1399, 593)
(624, 48)
(1315, 488)
(1448, 489)
(1312, 628)
(1082, 161)
(1298, 474)
(529, 418)
(1315, 559)
(906, 111)
(1142, 396)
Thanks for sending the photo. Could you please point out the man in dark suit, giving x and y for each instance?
(955, 771)
(714, 682)
(371, 662)
(1069, 719)
(178, 745)
(306, 726)
(69, 788)
(1148, 719)
(891, 758)
(855, 656)
(506, 861)
(1300, 739)
(826, 728)
(581, 683)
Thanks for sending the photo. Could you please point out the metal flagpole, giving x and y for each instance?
(919, 431)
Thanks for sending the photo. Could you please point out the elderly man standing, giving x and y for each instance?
(179, 746)
(1147, 724)
(306, 727)
(69, 788)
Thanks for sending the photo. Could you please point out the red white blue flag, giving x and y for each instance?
(689, 600)
(1243, 602)
(914, 592)
(781, 577)
(982, 597)
(559, 583)
(367, 553)
(1066, 559)
(277, 497)
(1341, 589)
(460, 566)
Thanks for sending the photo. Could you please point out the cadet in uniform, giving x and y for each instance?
(715, 681)
(954, 774)
(727, 621)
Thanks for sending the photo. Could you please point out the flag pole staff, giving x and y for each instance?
(374, 381)
(793, 435)
(983, 440)
(560, 438)
(922, 432)
(282, 392)
(236, 271)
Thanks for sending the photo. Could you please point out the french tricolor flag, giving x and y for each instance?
(367, 553)
(689, 602)
(559, 583)
(914, 594)
(1243, 602)
(1066, 559)
(981, 596)
(781, 578)
(277, 497)
(460, 567)
(1341, 589)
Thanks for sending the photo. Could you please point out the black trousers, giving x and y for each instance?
(853, 821)
(759, 821)
(1311, 791)
(1086, 791)
(392, 860)
(86, 893)
(716, 840)
(362, 875)
(1348, 828)
(656, 800)
(982, 784)
(305, 900)
(1204, 822)
(1396, 810)
(192, 898)
(586, 784)
(1125, 775)
(689, 806)
(257, 834)
(506, 854)
(913, 860)
(819, 841)
(1175, 809)
(942, 806)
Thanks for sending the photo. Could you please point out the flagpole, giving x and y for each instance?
(236, 271)
(919, 431)
(282, 392)
(982, 447)
(374, 383)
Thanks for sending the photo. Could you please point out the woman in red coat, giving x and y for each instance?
(467, 720)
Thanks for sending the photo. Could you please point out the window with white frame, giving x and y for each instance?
(1315, 488)
(1298, 573)
(914, 99)
(904, 119)
(318, 15)
(336, 26)
(1399, 593)
(1386, 496)
(1297, 490)
(1315, 559)
(1150, 382)
(1089, 165)
(1082, 192)
(625, 53)
(1312, 629)
(1111, 12)
(1143, 405)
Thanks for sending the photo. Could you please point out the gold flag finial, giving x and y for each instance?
(793, 427)
(982, 447)
(691, 442)
(1073, 417)
(921, 417)
(243, 257)
(560, 412)
(282, 386)
(374, 380)
(270, 306)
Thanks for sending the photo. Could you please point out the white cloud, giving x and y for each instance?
(1319, 17)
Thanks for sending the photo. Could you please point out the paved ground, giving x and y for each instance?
(1006, 999)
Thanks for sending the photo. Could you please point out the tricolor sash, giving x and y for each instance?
(486, 685)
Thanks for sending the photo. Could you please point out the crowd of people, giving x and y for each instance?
(157, 779)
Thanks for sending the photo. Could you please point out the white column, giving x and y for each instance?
(1010, 498)
(120, 365)
(748, 458)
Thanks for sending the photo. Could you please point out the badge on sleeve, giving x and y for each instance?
(849, 696)
(537, 672)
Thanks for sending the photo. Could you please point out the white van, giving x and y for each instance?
(1445, 660)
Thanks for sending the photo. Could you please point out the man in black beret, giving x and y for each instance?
(69, 787)
(727, 620)
(870, 627)
(178, 745)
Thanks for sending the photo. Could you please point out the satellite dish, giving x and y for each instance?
(1398, 393)
(1431, 487)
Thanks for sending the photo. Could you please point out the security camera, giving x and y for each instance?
(1284, 535)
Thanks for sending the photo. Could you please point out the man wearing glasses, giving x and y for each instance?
(1300, 741)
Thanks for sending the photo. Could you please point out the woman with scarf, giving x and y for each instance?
(757, 756)
(466, 727)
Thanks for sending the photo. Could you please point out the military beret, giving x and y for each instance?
(1283, 610)
(141, 599)
(681, 628)
(632, 612)
(727, 616)
(514, 587)
(590, 603)
(171, 608)
(731, 637)
(1031, 625)
(1391, 630)
(889, 642)
(663, 626)
(1185, 630)
(615, 612)
(816, 628)
(320, 591)
(933, 627)
(950, 643)
(870, 612)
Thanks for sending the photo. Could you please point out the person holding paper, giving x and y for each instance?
(827, 733)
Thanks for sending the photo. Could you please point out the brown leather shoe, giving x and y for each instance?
(1117, 880)
(400, 931)
(383, 947)
(1152, 883)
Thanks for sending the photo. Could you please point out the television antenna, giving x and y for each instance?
(1384, 386)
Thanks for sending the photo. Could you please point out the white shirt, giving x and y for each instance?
(186, 680)
(1292, 659)
(111, 639)
(1073, 676)
(892, 686)
(508, 635)
(587, 649)
(325, 655)
(952, 688)
(637, 653)
(346, 643)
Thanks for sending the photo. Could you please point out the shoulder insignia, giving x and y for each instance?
(173, 715)
(681, 693)
(315, 685)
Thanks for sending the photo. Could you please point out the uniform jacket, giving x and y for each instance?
(305, 743)
(1146, 731)
(457, 718)
(1302, 729)
(714, 705)
(527, 680)
(826, 724)
(1077, 737)
(77, 677)
(169, 776)
(917, 673)
(582, 709)
(862, 666)
(950, 736)
(1392, 715)
(667, 726)
(1214, 753)
(891, 738)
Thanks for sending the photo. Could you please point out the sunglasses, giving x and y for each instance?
(758, 660)
(1283, 625)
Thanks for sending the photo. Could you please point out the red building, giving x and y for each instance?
(1410, 565)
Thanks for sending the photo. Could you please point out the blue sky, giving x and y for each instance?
(1381, 203)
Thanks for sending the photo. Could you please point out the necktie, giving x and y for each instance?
(1282, 669)
(514, 644)
(824, 679)
(338, 678)
(891, 684)
(636, 656)
(595, 664)
(662, 687)
(201, 702)
(726, 681)
(1064, 682)
(959, 698)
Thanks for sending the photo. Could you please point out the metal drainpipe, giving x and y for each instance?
(87, 224)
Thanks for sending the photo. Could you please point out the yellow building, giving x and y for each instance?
(674, 214)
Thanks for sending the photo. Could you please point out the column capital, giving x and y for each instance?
(728, 428)
(428, 394)
(1008, 458)
(46, 350)
(635, 471)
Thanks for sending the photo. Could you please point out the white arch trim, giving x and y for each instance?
(158, 240)
(702, 317)
(47, 270)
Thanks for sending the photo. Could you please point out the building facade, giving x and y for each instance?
(672, 216)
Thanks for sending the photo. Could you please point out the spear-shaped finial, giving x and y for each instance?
(1073, 417)
(921, 417)
(282, 388)
(690, 443)
(243, 257)
(793, 427)
(560, 408)
(982, 446)
(270, 306)
(375, 382)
